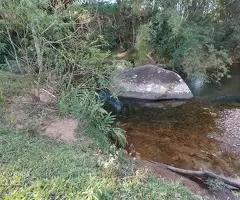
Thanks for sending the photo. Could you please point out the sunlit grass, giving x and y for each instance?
(33, 167)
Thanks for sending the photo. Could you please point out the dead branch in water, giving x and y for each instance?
(205, 174)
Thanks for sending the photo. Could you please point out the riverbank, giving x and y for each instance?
(45, 156)
(36, 134)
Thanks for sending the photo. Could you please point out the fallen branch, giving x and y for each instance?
(205, 174)
(48, 93)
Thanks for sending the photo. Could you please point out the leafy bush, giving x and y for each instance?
(206, 62)
(142, 44)
(187, 45)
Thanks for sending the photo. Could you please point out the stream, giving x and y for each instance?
(191, 134)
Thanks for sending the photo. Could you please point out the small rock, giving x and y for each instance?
(213, 114)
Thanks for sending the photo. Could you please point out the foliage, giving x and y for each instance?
(171, 28)
(142, 43)
(2, 98)
(186, 46)
(97, 122)
(215, 184)
(50, 45)
(206, 62)
(38, 168)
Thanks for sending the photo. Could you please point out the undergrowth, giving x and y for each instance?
(94, 120)
(11, 85)
(39, 168)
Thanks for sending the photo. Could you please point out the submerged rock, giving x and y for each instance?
(196, 84)
(150, 82)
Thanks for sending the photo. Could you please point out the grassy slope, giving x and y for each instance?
(38, 168)
(33, 167)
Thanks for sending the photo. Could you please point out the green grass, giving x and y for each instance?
(37, 168)
(34, 167)
(11, 84)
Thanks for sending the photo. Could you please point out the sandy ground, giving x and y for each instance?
(61, 129)
(39, 115)
(229, 124)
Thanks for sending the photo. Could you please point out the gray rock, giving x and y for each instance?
(149, 82)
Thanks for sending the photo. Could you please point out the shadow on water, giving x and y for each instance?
(181, 135)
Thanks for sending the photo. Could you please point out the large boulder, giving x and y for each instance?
(149, 82)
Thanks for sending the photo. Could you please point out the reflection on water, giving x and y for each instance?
(228, 86)
(180, 135)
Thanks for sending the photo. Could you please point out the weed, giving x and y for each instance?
(2, 98)
(11, 85)
(215, 184)
(97, 122)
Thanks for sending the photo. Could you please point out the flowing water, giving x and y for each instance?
(183, 135)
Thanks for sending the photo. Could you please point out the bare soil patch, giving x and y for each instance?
(61, 129)
(39, 115)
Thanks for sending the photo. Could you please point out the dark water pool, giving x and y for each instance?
(227, 87)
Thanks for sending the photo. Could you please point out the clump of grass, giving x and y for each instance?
(11, 85)
(96, 122)
(39, 168)
(2, 98)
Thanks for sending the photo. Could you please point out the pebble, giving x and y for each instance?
(229, 124)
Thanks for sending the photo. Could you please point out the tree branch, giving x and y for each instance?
(205, 174)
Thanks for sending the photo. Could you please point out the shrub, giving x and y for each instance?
(206, 62)
(183, 45)
(142, 44)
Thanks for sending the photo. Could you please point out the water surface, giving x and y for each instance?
(181, 135)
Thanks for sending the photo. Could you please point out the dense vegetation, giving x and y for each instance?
(73, 46)
(61, 37)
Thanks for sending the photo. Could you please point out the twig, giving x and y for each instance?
(48, 27)
(48, 92)
(205, 174)
(14, 50)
